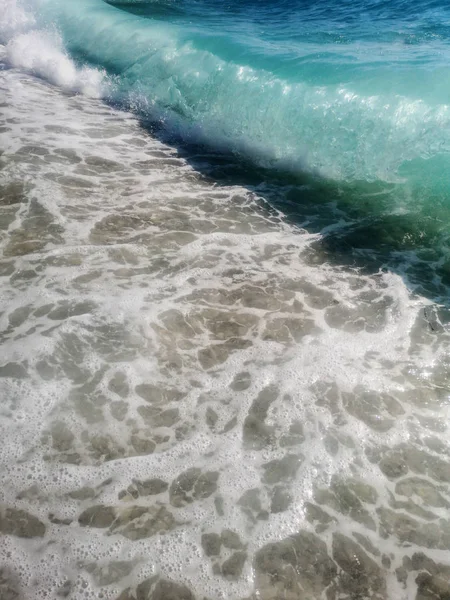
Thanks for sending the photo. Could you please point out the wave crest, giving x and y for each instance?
(41, 52)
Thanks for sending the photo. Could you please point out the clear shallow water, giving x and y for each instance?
(220, 379)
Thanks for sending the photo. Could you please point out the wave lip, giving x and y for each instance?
(42, 54)
(41, 51)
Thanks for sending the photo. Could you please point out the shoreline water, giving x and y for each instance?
(222, 381)
(190, 391)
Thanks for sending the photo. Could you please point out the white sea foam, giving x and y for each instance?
(41, 52)
(123, 260)
(122, 267)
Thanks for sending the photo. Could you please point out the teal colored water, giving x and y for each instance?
(351, 97)
(352, 90)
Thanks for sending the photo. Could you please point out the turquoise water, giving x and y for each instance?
(349, 90)
(349, 99)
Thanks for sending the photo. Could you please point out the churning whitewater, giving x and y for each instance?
(224, 322)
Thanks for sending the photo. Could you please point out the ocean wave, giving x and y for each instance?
(355, 125)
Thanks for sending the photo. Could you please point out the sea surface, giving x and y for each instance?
(224, 300)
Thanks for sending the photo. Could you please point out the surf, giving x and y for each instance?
(313, 96)
(225, 273)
